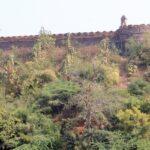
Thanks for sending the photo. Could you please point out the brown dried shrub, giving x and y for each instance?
(88, 52)
(59, 55)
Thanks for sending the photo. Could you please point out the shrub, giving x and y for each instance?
(36, 130)
(139, 87)
(61, 89)
(139, 51)
(114, 58)
(133, 102)
(133, 120)
(88, 52)
(111, 75)
(24, 129)
(9, 126)
(103, 140)
(55, 96)
(145, 107)
(145, 56)
(133, 47)
(85, 70)
(147, 76)
(96, 71)
(45, 76)
(131, 69)
(143, 144)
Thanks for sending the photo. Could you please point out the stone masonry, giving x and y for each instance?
(119, 37)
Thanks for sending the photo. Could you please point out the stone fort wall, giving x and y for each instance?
(119, 36)
(136, 31)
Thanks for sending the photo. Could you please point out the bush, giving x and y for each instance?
(114, 58)
(139, 87)
(139, 51)
(82, 69)
(133, 47)
(9, 126)
(147, 76)
(102, 140)
(60, 89)
(131, 69)
(88, 52)
(36, 130)
(85, 70)
(111, 75)
(45, 76)
(133, 120)
(25, 129)
(96, 71)
(145, 107)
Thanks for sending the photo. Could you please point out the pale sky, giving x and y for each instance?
(26, 17)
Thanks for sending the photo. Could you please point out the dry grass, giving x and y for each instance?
(88, 52)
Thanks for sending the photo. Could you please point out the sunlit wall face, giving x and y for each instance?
(24, 17)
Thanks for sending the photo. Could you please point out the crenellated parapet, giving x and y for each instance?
(6, 43)
(85, 38)
(120, 36)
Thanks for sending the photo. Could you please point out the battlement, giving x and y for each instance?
(59, 36)
(86, 38)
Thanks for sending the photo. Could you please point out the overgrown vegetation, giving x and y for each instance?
(75, 98)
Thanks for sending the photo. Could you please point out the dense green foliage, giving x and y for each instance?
(75, 98)
(139, 87)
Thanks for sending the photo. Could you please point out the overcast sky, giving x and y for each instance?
(26, 17)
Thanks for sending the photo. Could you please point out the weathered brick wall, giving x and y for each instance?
(78, 38)
(119, 37)
(6, 43)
